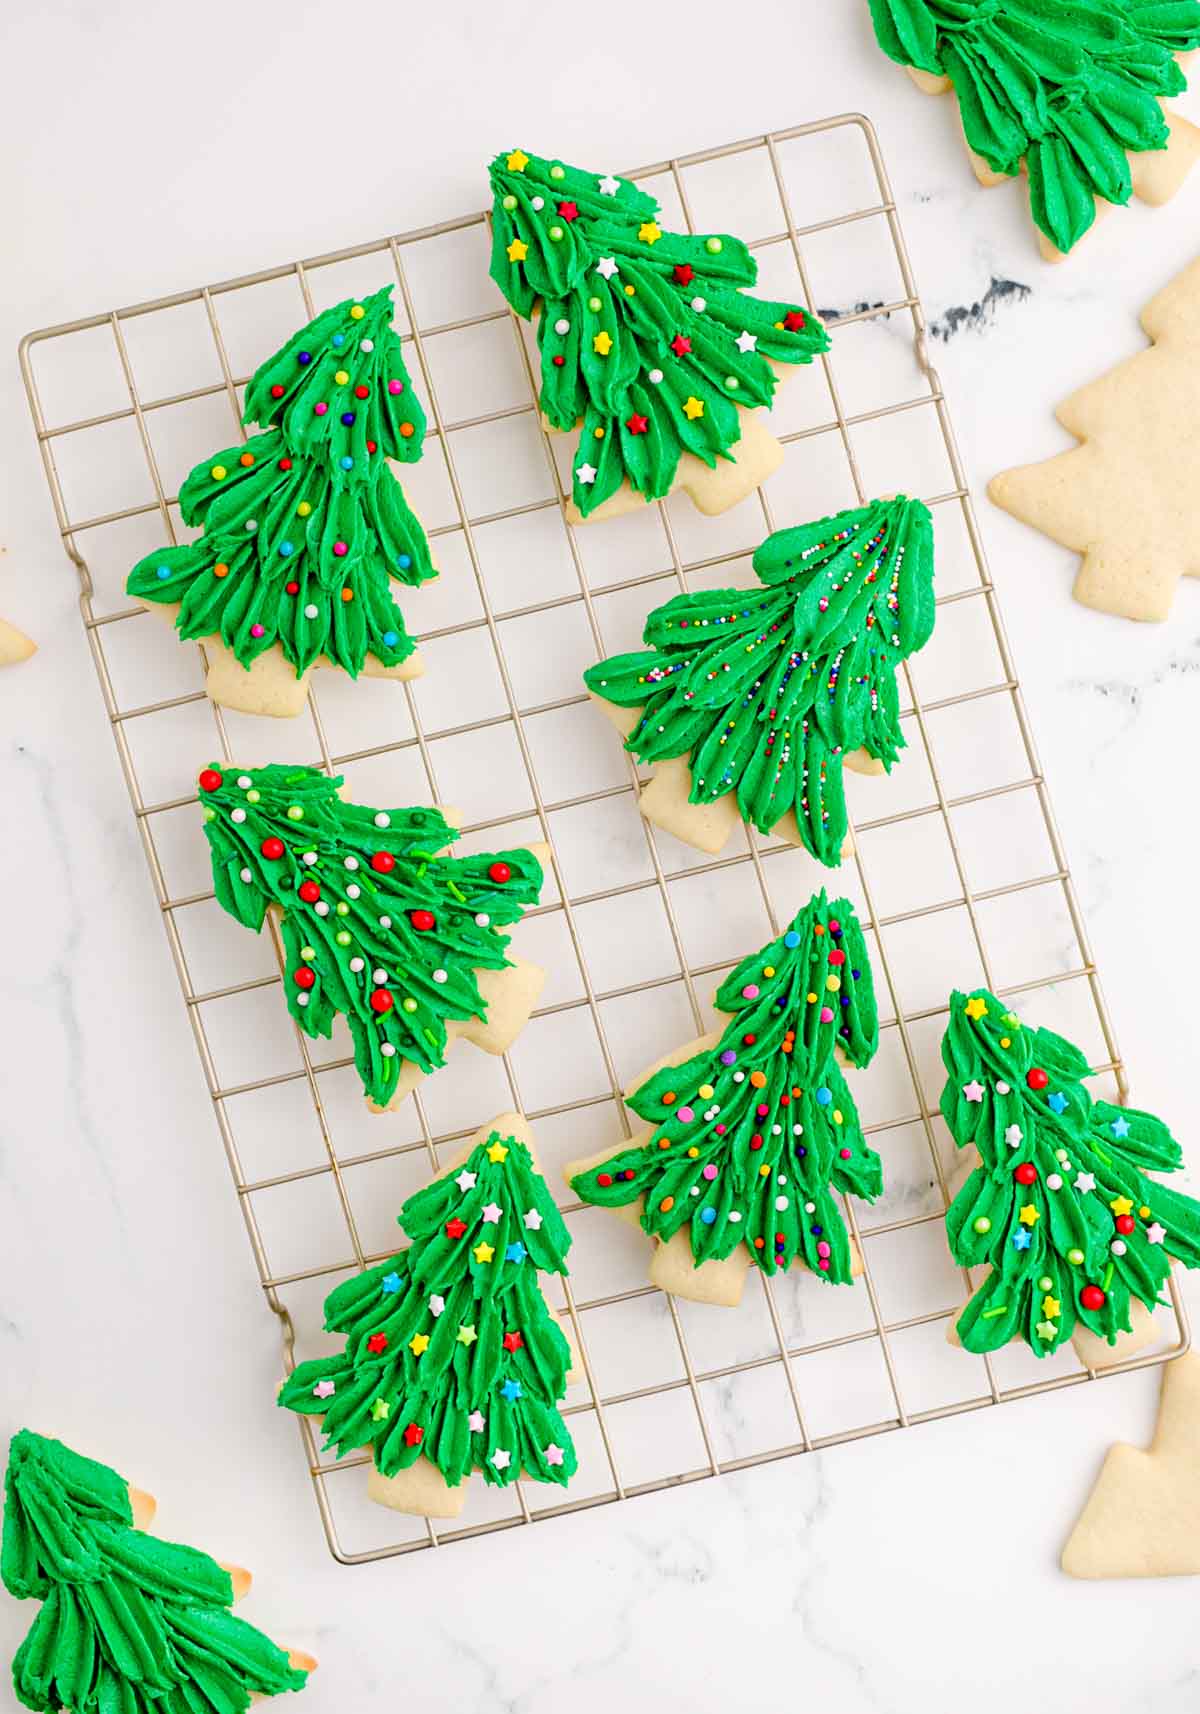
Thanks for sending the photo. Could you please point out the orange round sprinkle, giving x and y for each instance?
(797, 1092)
(668, 1098)
(347, 594)
(221, 570)
(664, 1142)
(758, 1243)
(666, 1205)
(757, 1079)
(406, 430)
(818, 928)
(247, 459)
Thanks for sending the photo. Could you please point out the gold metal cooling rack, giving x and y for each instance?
(959, 876)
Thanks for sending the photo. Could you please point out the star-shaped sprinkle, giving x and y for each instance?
(467, 1334)
(973, 1091)
(492, 1213)
(418, 1343)
(414, 1434)
(1051, 1308)
(553, 1454)
(602, 343)
(497, 1153)
(585, 474)
(977, 1008)
(1085, 1181)
(455, 1228)
(681, 345)
(569, 210)
(533, 1220)
(608, 185)
(466, 1180)
(517, 161)
(517, 250)
(380, 1410)
(377, 1343)
(1046, 1330)
(649, 232)
(746, 341)
(511, 1390)
(324, 1390)
(693, 407)
(1121, 1205)
(391, 1282)
(501, 1459)
(636, 423)
(1013, 1135)
(436, 1303)
(1155, 1233)
(512, 1341)
(606, 267)
(1028, 1215)
(1021, 1238)
(516, 1252)
(1057, 1102)
(475, 1422)
(483, 1252)
(793, 321)
(1119, 1127)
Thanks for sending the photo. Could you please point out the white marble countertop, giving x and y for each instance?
(150, 147)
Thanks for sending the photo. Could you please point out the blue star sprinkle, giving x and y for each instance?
(510, 1390)
(1057, 1102)
(391, 1282)
(1119, 1127)
(515, 1253)
(1020, 1239)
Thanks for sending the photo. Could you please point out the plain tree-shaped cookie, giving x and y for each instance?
(1126, 497)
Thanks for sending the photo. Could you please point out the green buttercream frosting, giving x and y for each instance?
(646, 336)
(765, 690)
(376, 924)
(128, 1624)
(305, 526)
(1060, 1207)
(451, 1352)
(1067, 86)
(756, 1138)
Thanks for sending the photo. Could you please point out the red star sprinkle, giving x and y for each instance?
(513, 1341)
(413, 1435)
(793, 321)
(568, 210)
(684, 273)
(681, 344)
(636, 424)
(455, 1228)
(377, 1342)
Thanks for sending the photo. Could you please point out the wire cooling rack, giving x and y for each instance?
(958, 876)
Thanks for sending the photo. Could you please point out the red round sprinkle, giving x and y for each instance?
(362, 392)
(285, 464)
(1125, 1223)
(422, 921)
(628, 1173)
(210, 780)
(304, 977)
(272, 848)
(1026, 1173)
(383, 862)
(310, 891)
(558, 362)
(371, 446)
(277, 391)
(499, 872)
(1091, 1297)
(292, 588)
(749, 1041)
(756, 1141)
(604, 1179)
(1036, 1077)
(381, 1000)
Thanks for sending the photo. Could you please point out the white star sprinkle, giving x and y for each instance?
(586, 474)
(465, 1181)
(1085, 1181)
(475, 1422)
(973, 1090)
(745, 341)
(609, 186)
(606, 267)
(1013, 1136)
(1155, 1233)
(436, 1303)
(553, 1454)
(501, 1459)
(492, 1213)
(326, 1389)
(533, 1220)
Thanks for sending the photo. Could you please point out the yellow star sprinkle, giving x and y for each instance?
(1028, 1215)
(1051, 1308)
(517, 250)
(693, 407)
(517, 161)
(483, 1252)
(649, 232)
(497, 1153)
(418, 1343)
(1120, 1205)
(466, 1335)
(602, 344)
(976, 1008)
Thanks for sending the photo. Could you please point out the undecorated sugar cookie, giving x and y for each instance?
(647, 339)
(752, 1134)
(128, 1622)
(748, 702)
(306, 528)
(378, 922)
(1125, 497)
(1069, 91)
(1068, 1233)
(453, 1361)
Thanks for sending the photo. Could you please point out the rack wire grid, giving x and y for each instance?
(958, 874)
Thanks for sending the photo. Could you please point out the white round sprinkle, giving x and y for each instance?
(386, 1049)
(537, 203)
(562, 325)
(1054, 1182)
(797, 1130)
(309, 857)
(777, 1130)
(251, 524)
(310, 612)
(1002, 1089)
(302, 999)
(810, 1208)
(353, 892)
(379, 977)
(781, 1203)
(357, 964)
(699, 305)
(245, 782)
(237, 815)
(385, 922)
(739, 1077)
(734, 1216)
(350, 862)
(782, 1179)
(654, 377)
(482, 920)
(321, 908)
(247, 876)
(695, 1190)
(1117, 1246)
(383, 819)
(441, 975)
(366, 345)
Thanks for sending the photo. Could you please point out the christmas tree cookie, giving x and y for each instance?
(1072, 93)
(128, 1624)
(14, 645)
(378, 922)
(648, 340)
(306, 528)
(747, 703)
(752, 1133)
(453, 1360)
(1058, 1213)
(1123, 497)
